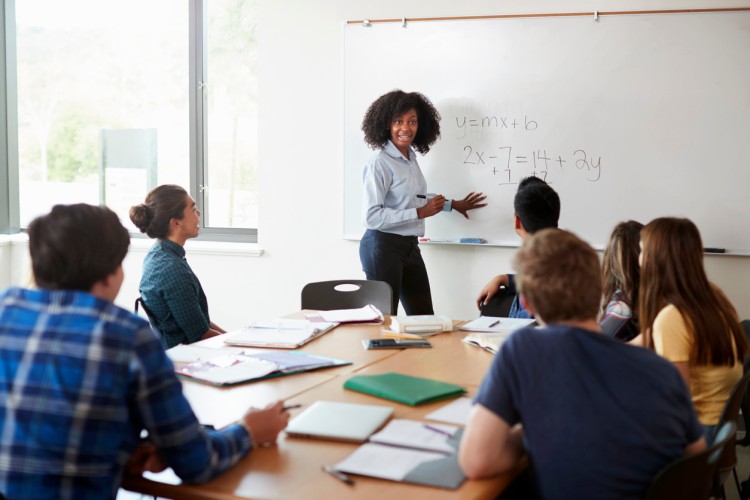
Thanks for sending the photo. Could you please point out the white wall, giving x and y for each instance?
(301, 175)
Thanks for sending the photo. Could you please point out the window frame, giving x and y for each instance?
(197, 69)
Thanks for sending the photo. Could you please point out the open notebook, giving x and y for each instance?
(279, 333)
(412, 452)
(238, 367)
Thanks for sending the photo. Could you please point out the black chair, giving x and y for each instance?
(499, 305)
(347, 294)
(142, 305)
(728, 459)
(745, 441)
(691, 477)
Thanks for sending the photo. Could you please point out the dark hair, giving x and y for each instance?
(673, 273)
(377, 122)
(559, 276)
(620, 267)
(163, 203)
(536, 204)
(74, 246)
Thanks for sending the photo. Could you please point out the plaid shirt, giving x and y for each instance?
(173, 294)
(79, 379)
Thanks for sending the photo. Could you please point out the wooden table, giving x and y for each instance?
(292, 468)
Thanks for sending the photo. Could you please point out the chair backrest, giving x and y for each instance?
(745, 324)
(142, 305)
(691, 477)
(347, 294)
(731, 413)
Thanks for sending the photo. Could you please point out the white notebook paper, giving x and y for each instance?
(278, 333)
(495, 325)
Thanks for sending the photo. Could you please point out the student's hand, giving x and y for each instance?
(473, 200)
(432, 207)
(217, 328)
(145, 457)
(210, 333)
(490, 289)
(264, 425)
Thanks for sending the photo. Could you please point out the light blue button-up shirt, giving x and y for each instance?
(391, 185)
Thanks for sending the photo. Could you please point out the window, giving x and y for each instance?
(116, 97)
(232, 115)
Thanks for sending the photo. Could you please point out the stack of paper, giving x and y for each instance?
(418, 326)
(409, 451)
(278, 333)
(366, 314)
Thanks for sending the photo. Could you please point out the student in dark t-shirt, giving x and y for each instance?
(559, 394)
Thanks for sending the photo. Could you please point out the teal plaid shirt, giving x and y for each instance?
(79, 379)
(173, 294)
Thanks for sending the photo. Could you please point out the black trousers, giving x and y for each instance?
(397, 260)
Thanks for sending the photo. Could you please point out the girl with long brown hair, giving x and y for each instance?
(688, 319)
(621, 276)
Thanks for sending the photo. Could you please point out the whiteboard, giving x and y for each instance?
(627, 117)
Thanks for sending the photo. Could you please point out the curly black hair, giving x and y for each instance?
(377, 122)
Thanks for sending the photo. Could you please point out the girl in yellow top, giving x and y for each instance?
(687, 319)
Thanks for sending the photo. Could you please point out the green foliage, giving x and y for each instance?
(73, 149)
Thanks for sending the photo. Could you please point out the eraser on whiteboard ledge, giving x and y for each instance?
(472, 240)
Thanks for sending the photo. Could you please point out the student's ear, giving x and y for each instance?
(109, 286)
(518, 226)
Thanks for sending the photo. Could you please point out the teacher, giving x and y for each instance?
(396, 201)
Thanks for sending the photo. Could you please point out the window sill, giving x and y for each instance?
(193, 247)
(207, 247)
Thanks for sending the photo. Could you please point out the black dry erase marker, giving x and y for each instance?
(714, 250)
(422, 196)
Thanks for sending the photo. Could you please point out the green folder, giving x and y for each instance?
(403, 388)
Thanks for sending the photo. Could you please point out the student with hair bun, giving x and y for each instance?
(169, 288)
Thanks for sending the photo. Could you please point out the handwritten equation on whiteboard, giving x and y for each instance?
(510, 163)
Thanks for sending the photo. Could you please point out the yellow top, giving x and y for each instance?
(710, 385)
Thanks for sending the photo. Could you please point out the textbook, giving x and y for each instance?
(403, 388)
(279, 333)
(235, 368)
(492, 331)
(411, 452)
(488, 341)
(419, 326)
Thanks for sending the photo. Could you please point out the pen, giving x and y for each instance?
(494, 324)
(422, 196)
(291, 407)
(339, 475)
(438, 430)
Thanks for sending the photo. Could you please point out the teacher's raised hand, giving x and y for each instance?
(473, 200)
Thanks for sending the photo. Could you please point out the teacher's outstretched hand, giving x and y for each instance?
(473, 200)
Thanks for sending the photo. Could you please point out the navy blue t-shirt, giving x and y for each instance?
(600, 418)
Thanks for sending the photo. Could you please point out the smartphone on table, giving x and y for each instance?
(394, 343)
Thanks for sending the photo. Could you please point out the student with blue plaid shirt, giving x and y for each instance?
(172, 293)
(81, 378)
